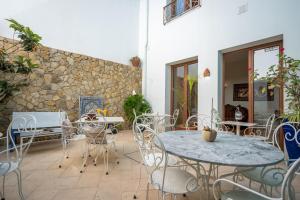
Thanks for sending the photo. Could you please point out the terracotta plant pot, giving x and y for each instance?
(209, 135)
(135, 61)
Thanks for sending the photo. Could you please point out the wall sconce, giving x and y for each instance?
(206, 73)
(133, 92)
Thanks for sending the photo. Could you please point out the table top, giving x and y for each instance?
(107, 120)
(227, 149)
(237, 123)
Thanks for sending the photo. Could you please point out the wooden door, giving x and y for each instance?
(184, 90)
(262, 99)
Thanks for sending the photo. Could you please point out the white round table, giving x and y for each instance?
(227, 149)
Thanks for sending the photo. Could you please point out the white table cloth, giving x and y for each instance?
(109, 120)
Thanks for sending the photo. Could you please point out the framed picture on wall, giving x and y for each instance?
(262, 92)
(240, 92)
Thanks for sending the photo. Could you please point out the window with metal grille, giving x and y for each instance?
(175, 8)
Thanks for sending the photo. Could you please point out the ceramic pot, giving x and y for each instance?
(209, 135)
(135, 61)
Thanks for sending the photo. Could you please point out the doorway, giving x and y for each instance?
(184, 90)
(254, 97)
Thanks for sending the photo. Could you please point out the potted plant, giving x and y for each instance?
(135, 61)
(287, 75)
(135, 102)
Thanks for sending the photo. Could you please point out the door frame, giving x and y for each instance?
(250, 70)
(185, 87)
(250, 79)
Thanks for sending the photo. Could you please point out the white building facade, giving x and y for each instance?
(205, 33)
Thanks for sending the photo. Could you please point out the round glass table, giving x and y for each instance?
(227, 149)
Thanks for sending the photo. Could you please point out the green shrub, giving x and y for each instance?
(136, 102)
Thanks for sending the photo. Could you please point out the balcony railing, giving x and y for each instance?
(178, 7)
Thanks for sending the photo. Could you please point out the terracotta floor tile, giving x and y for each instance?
(76, 194)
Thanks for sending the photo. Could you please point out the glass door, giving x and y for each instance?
(178, 90)
(184, 94)
(192, 85)
(263, 99)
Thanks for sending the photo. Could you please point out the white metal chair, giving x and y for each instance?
(262, 132)
(13, 155)
(168, 180)
(93, 126)
(70, 134)
(272, 176)
(244, 193)
(139, 124)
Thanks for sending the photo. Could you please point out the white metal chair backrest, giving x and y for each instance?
(150, 147)
(23, 124)
(93, 126)
(270, 126)
(287, 189)
(175, 116)
(67, 128)
(197, 121)
(292, 134)
(201, 120)
(216, 114)
(143, 119)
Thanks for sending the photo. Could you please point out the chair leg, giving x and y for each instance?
(64, 152)
(115, 151)
(271, 191)
(106, 152)
(140, 177)
(98, 149)
(19, 177)
(85, 158)
(147, 192)
(163, 195)
(3, 188)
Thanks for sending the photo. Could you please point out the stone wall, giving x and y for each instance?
(63, 76)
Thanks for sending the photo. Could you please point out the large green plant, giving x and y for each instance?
(287, 74)
(20, 64)
(28, 39)
(135, 102)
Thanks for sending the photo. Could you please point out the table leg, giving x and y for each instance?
(238, 130)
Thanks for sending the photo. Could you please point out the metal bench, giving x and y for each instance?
(47, 124)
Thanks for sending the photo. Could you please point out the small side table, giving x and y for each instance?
(238, 125)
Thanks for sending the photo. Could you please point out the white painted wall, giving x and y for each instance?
(205, 31)
(106, 29)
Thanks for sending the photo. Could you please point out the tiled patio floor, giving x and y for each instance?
(43, 180)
